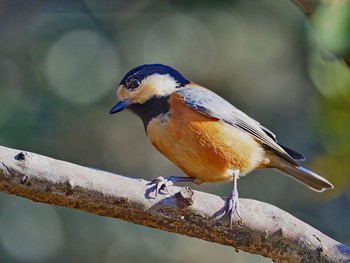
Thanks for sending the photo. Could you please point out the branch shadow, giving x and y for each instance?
(344, 250)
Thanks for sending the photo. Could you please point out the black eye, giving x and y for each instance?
(134, 83)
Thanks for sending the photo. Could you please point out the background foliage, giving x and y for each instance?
(60, 62)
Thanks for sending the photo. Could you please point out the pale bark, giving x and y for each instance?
(264, 229)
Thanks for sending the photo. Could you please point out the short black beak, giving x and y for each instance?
(121, 105)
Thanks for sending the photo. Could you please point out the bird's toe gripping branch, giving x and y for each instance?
(161, 184)
(232, 202)
(232, 206)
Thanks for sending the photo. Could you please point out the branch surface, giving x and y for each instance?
(264, 229)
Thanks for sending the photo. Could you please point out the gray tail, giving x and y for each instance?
(304, 176)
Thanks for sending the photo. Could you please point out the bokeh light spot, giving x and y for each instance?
(30, 231)
(256, 62)
(331, 78)
(183, 42)
(332, 24)
(10, 91)
(82, 66)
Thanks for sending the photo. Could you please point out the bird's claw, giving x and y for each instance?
(161, 183)
(231, 207)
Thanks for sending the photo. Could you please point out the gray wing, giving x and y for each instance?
(211, 104)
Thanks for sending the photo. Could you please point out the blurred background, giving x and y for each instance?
(60, 64)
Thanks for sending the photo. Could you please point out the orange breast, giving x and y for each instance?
(203, 147)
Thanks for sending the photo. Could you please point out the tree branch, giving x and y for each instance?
(308, 7)
(264, 229)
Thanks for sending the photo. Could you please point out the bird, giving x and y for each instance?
(203, 134)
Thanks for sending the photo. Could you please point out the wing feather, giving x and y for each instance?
(211, 104)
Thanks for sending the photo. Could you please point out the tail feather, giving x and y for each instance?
(294, 154)
(304, 176)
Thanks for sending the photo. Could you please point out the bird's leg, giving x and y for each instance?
(163, 183)
(232, 203)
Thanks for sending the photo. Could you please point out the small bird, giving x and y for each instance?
(208, 138)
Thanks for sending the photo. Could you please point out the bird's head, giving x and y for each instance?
(146, 82)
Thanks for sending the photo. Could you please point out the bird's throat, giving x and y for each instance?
(150, 109)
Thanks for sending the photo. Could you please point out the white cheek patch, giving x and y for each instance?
(161, 84)
(156, 85)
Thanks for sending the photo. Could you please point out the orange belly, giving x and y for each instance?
(203, 147)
